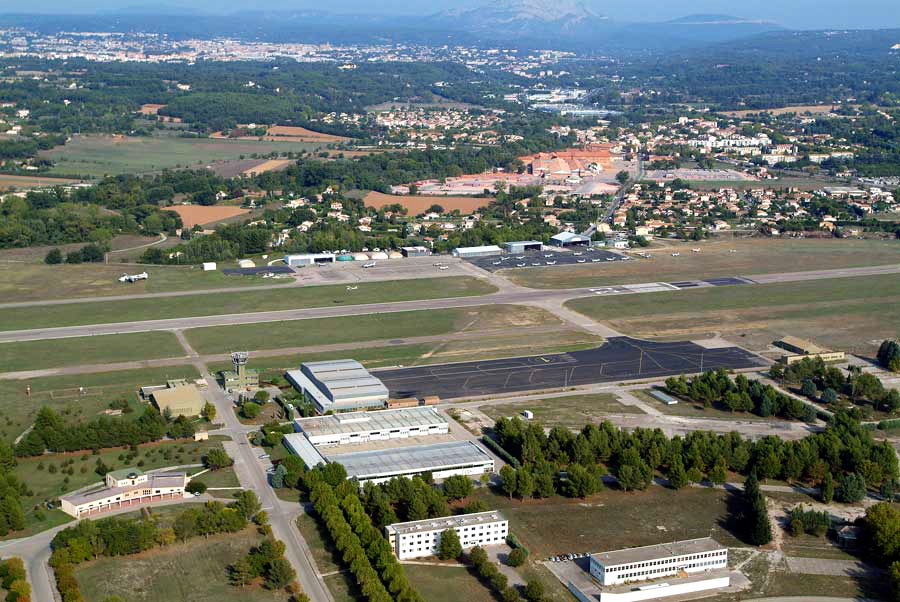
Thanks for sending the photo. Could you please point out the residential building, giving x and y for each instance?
(416, 539)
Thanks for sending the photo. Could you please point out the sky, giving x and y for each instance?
(796, 14)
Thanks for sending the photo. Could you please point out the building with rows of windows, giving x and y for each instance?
(123, 488)
(420, 538)
(657, 561)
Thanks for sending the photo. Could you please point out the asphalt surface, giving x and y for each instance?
(620, 358)
(543, 259)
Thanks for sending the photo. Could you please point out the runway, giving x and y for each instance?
(619, 359)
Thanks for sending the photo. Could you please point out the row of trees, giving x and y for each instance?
(14, 580)
(91, 253)
(554, 460)
(755, 519)
(881, 527)
(51, 433)
(113, 536)
(739, 395)
(12, 516)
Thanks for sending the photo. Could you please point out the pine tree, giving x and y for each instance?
(449, 546)
(827, 488)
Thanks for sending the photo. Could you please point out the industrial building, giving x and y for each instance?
(415, 251)
(178, 397)
(420, 538)
(570, 239)
(520, 246)
(338, 386)
(482, 251)
(125, 488)
(361, 427)
(657, 561)
(798, 349)
(440, 459)
(300, 446)
(309, 259)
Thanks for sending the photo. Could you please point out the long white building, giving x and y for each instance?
(420, 538)
(381, 425)
(442, 460)
(338, 386)
(124, 488)
(657, 561)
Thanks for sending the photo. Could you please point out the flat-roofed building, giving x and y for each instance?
(658, 561)
(415, 251)
(380, 425)
(416, 539)
(338, 386)
(482, 251)
(520, 246)
(309, 259)
(440, 459)
(180, 400)
(300, 446)
(123, 488)
(798, 349)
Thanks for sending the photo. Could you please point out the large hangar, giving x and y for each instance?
(362, 427)
(338, 386)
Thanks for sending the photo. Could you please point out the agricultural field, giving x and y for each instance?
(420, 204)
(39, 355)
(196, 570)
(20, 282)
(715, 259)
(18, 409)
(851, 314)
(573, 411)
(100, 155)
(301, 333)
(194, 215)
(798, 109)
(71, 314)
(10, 183)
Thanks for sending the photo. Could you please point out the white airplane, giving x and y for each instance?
(610, 259)
(444, 267)
(520, 265)
(732, 250)
(581, 260)
(577, 253)
(550, 262)
(676, 254)
(371, 264)
(695, 250)
(352, 288)
(595, 260)
(133, 277)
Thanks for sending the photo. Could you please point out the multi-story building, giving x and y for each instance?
(125, 488)
(657, 561)
(420, 538)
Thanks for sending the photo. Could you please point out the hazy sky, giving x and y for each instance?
(799, 14)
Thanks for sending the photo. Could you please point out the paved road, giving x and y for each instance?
(509, 296)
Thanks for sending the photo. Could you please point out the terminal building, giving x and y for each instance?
(338, 386)
(362, 427)
(679, 558)
(125, 488)
(442, 460)
(420, 538)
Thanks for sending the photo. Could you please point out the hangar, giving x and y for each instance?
(570, 239)
(338, 386)
(309, 259)
(520, 246)
(482, 251)
(361, 427)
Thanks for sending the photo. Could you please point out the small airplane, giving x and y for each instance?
(133, 277)
(695, 250)
(732, 250)
(370, 264)
(580, 260)
(443, 267)
(550, 262)
(595, 260)
(676, 254)
(610, 259)
(352, 288)
(520, 265)
(496, 263)
(577, 253)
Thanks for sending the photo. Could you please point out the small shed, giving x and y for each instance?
(209, 266)
(663, 397)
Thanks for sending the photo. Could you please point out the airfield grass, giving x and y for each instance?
(692, 409)
(104, 312)
(100, 155)
(753, 256)
(299, 333)
(853, 314)
(418, 354)
(195, 570)
(21, 282)
(39, 355)
(17, 410)
(571, 411)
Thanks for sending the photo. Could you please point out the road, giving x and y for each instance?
(507, 296)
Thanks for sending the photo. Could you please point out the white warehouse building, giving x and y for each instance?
(420, 538)
(482, 251)
(380, 425)
(338, 386)
(658, 561)
(442, 460)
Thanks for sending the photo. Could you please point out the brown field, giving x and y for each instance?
(150, 109)
(800, 109)
(270, 165)
(10, 182)
(284, 133)
(198, 214)
(419, 204)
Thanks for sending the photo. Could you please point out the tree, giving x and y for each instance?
(250, 410)
(508, 480)
(517, 557)
(827, 488)
(534, 591)
(92, 254)
(457, 487)
(247, 504)
(622, 177)
(894, 572)
(217, 458)
(195, 487)
(449, 546)
(53, 257)
(829, 396)
(261, 396)
(209, 411)
(889, 355)
(74, 257)
(851, 489)
(808, 388)
(241, 573)
(719, 472)
(278, 476)
(279, 573)
(756, 519)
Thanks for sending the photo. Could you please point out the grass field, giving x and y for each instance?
(696, 410)
(571, 412)
(36, 281)
(99, 155)
(8, 182)
(196, 570)
(17, 410)
(224, 477)
(46, 484)
(434, 583)
(851, 314)
(299, 333)
(37, 355)
(72, 314)
(754, 256)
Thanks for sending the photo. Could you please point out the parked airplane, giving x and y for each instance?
(371, 264)
(133, 277)
(352, 288)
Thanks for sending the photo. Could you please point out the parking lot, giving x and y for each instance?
(546, 258)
